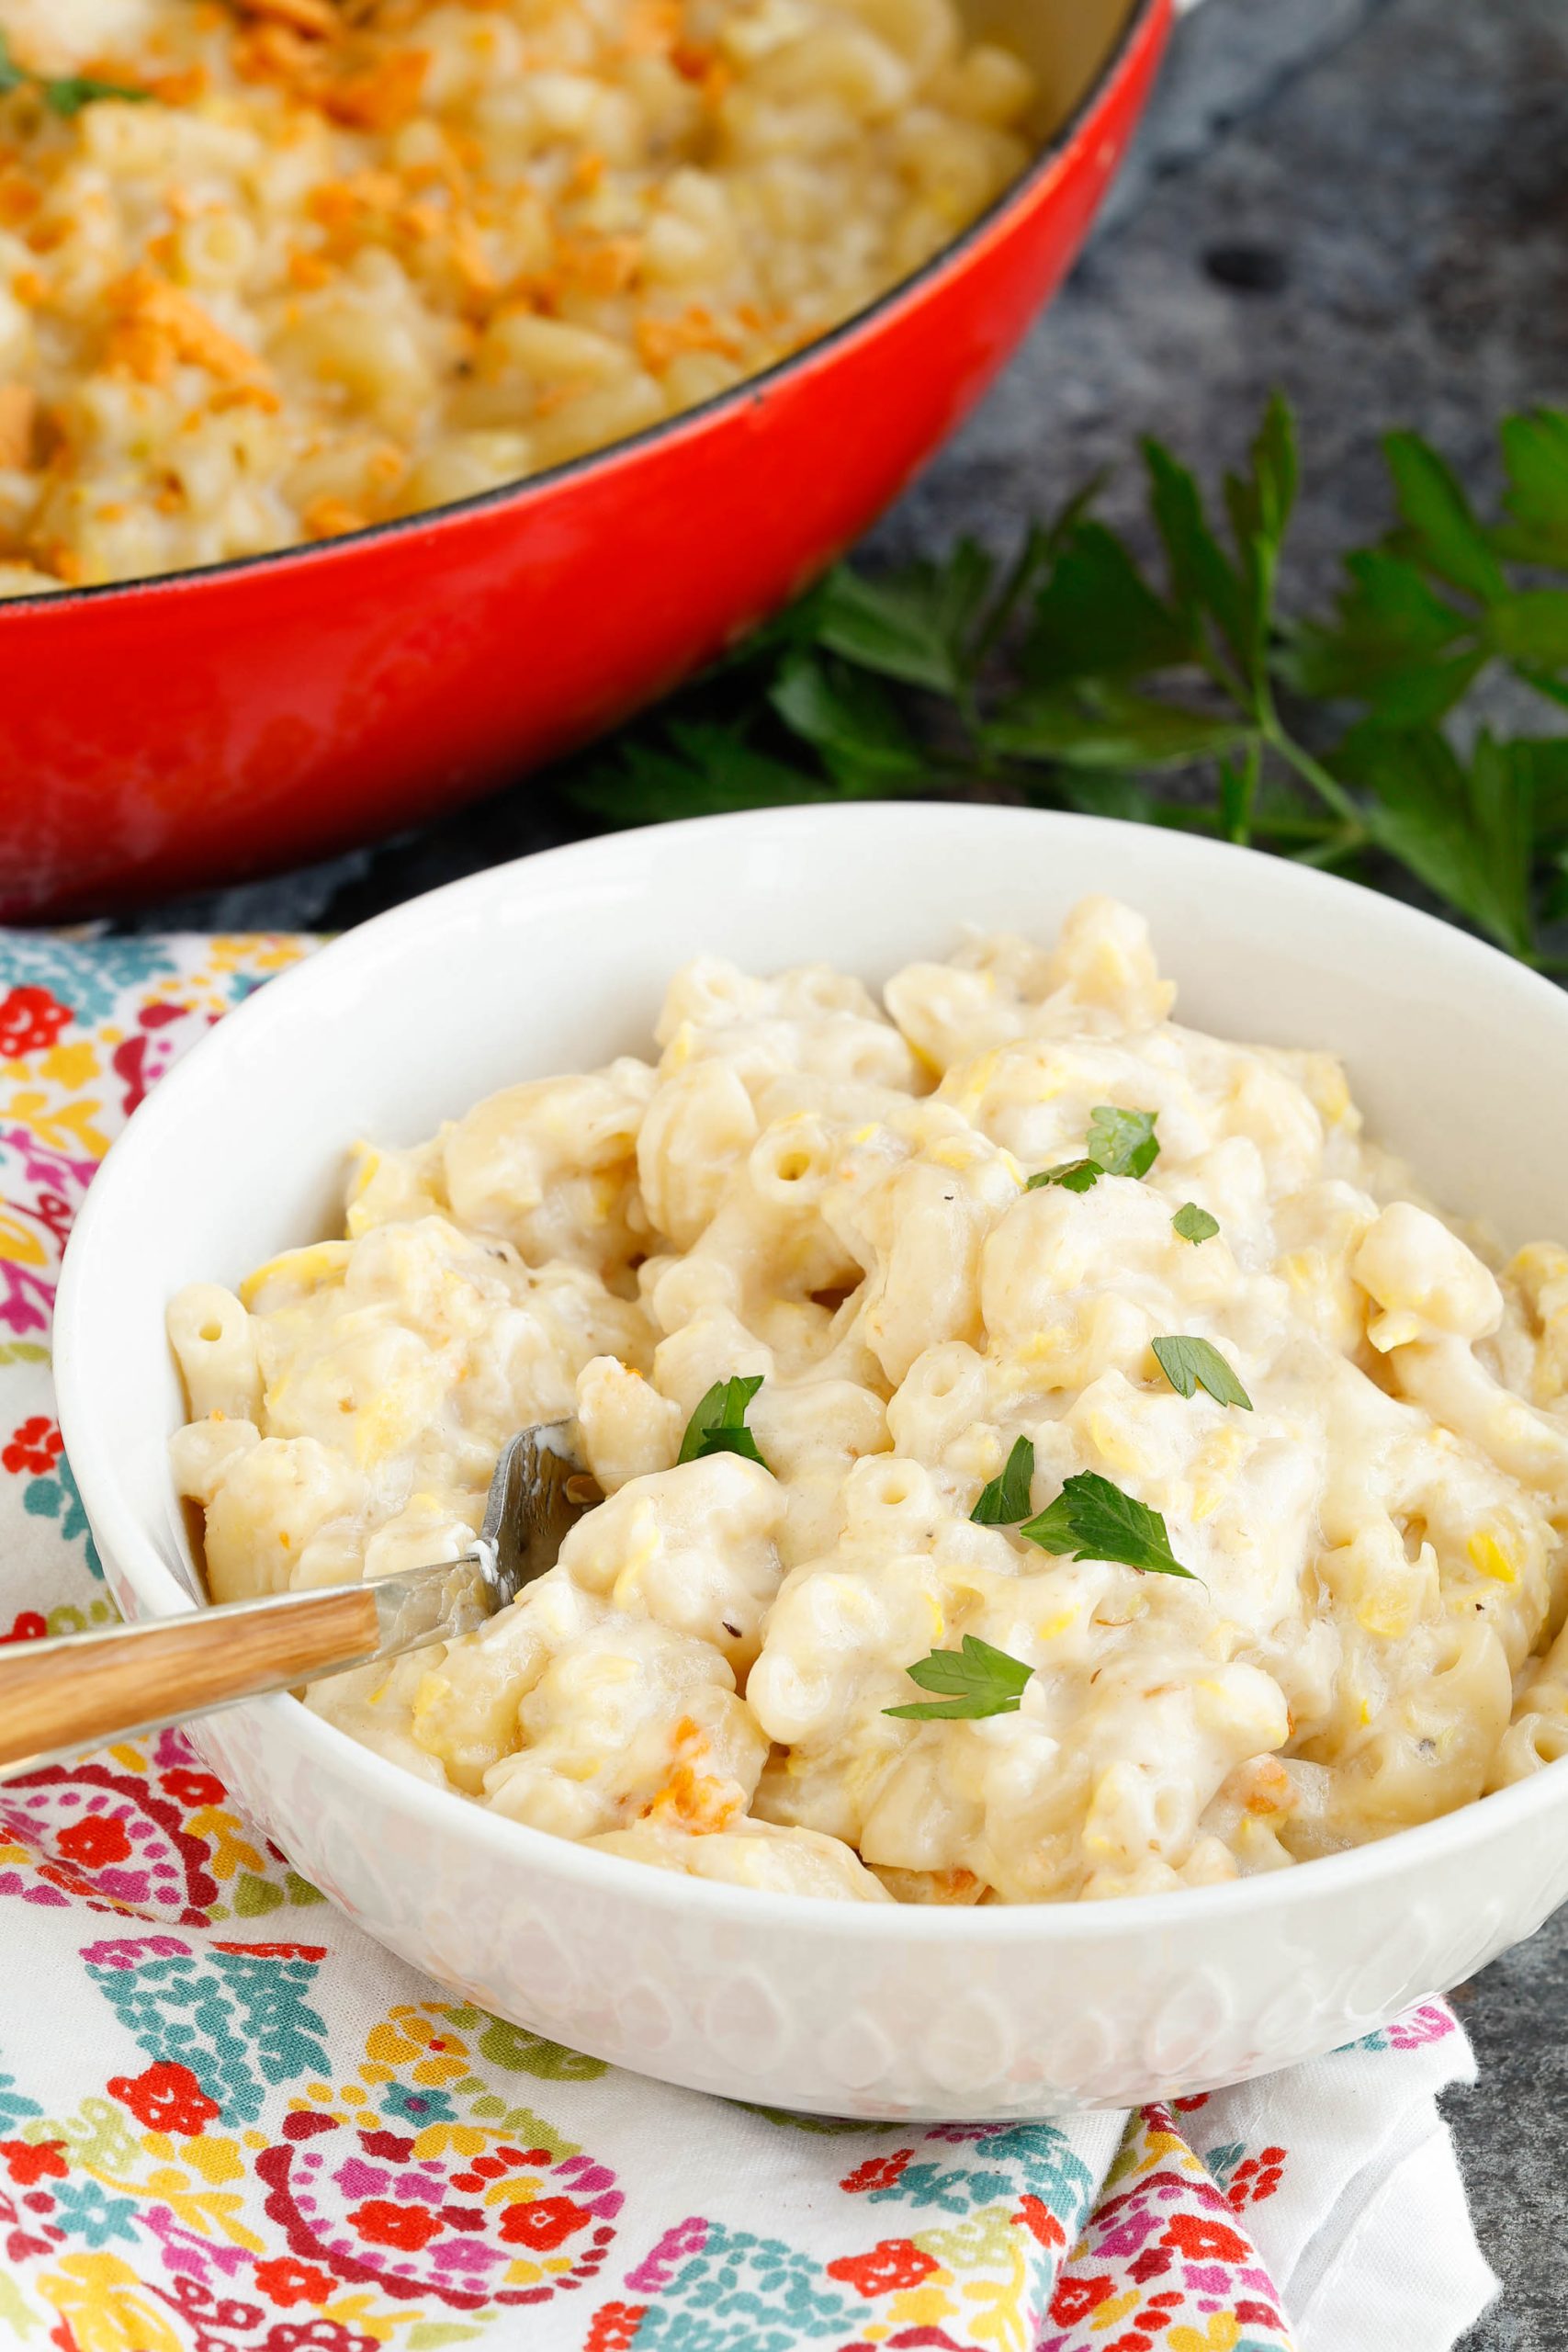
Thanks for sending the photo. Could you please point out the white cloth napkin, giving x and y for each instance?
(231, 2123)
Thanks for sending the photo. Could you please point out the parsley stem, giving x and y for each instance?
(1030, 561)
(1343, 843)
(1312, 772)
(1238, 789)
(1290, 825)
(1214, 666)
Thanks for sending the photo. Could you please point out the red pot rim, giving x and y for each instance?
(812, 356)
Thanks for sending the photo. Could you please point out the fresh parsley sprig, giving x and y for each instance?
(64, 94)
(1184, 693)
(1194, 1224)
(1120, 1143)
(975, 1679)
(1004, 1499)
(1090, 1520)
(1093, 1520)
(1073, 1176)
(1123, 1141)
(1190, 1364)
(719, 1425)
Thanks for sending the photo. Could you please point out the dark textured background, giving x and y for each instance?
(1366, 202)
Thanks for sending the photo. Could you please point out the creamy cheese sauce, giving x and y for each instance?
(832, 1194)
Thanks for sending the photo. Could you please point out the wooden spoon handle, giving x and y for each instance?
(58, 1697)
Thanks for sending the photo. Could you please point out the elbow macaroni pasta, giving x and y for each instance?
(347, 259)
(832, 1195)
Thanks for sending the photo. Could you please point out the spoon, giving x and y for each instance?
(60, 1697)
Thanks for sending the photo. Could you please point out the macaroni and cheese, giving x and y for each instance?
(884, 1227)
(274, 269)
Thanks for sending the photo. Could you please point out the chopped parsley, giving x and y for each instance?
(719, 1425)
(1194, 1224)
(975, 1681)
(64, 94)
(1123, 1141)
(1073, 1175)
(1093, 1520)
(1190, 1364)
(1004, 1499)
(1120, 1143)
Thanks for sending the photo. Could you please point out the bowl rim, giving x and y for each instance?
(808, 359)
(445, 1812)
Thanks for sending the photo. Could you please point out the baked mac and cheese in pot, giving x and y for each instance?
(271, 270)
(1048, 1452)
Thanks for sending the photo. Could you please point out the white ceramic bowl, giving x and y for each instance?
(555, 964)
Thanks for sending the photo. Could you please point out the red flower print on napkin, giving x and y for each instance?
(895, 2262)
(29, 1019)
(877, 2172)
(614, 2327)
(1256, 2178)
(94, 1841)
(542, 2222)
(166, 2097)
(36, 1446)
(1039, 2222)
(1075, 2297)
(27, 2161)
(285, 2280)
(191, 1788)
(407, 2227)
(1206, 2241)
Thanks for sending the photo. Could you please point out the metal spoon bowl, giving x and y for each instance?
(77, 1691)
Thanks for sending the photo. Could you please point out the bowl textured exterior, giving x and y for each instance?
(554, 963)
(262, 713)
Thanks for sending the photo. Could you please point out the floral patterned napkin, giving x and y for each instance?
(231, 2123)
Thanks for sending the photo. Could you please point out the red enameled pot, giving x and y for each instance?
(223, 723)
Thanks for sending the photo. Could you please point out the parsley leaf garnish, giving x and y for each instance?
(1073, 1175)
(1123, 1142)
(977, 1680)
(1194, 1224)
(1178, 693)
(67, 94)
(64, 94)
(719, 1425)
(1093, 1520)
(1190, 1364)
(1004, 1499)
(1120, 1143)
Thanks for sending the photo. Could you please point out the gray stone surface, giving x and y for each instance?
(1410, 190)
(1230, 63)
(1509, 2130)
(1366, 201)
